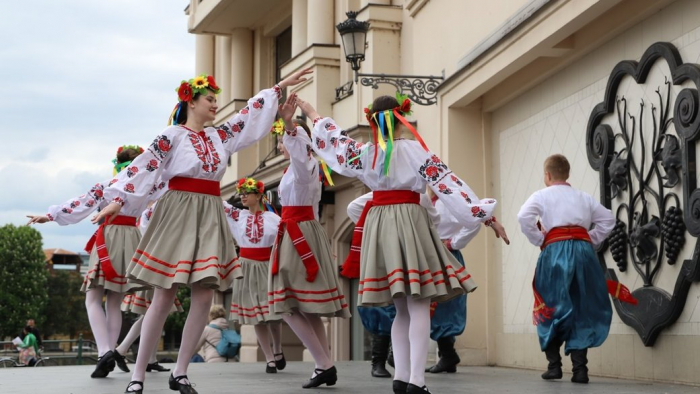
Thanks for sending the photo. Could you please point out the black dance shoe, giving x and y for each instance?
(121, 361)
(328, 376)
(270, 368)
(155, 367)
(281, 363)
(134, 383)
(554, 373)
(102, 368)
(183, 388)
(413, 389)
(400, 387)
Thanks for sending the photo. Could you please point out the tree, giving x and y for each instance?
(65, 309)
(176, 321)
(22, 278)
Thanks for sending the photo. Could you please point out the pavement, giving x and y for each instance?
(353, 377)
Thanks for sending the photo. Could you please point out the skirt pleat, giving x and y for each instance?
(249, 304)
(121, 242)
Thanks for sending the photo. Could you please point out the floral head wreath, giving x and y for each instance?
(277, 127)
(120, 166)
(382, 124)
(187, 89)
(250, 185)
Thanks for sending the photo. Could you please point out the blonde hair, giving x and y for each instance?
(558, 166)
(216, 311)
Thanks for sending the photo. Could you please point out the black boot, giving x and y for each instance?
(390, 358)
(554, 358)
(579, 359)
(380, 352)
(448, 357)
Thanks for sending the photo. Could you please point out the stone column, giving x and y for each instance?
(222, 68)
(320, 18)
(204, 54)
(298, 26)
(241, 64)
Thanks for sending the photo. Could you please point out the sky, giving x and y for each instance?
(80, 79)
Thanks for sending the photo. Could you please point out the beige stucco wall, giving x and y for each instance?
(551, 118)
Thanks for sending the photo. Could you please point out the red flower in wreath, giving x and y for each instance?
(212, 84)
(241, 182)
(405, 106)
(260, 187)
(184, 92)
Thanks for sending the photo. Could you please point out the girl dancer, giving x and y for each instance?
(188, 241)
(255, 230)
(303, 284)
(110, 250)
(400, 253)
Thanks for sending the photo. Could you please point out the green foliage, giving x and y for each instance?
(23, 278)
(65, 310)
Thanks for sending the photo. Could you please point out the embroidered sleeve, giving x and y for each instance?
(463, 237)
(342, 153)
(252, 123)
(77, 209)
(528, 216)
(136, 183)
(232, 216)
(301, 161)
(145, 218)
(459, 198)
(603, 220)
(432, 212)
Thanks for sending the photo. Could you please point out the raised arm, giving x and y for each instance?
(74, 210)
(357, 205)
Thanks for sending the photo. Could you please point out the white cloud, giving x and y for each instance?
(85, 77)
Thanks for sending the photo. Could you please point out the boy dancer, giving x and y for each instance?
(571, 294)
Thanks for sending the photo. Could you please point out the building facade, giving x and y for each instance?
(523, 79)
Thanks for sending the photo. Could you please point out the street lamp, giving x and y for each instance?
(353, 33)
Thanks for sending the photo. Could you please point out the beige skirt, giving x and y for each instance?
(249, 298)
(402, 255)
(140, 301)
(121, 243)
(288, 289)
(188, 241)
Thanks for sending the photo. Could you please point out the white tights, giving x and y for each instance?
(105, 323)
(410, 335)
(309, 328)
(131, 336)
(269, 334)
(153, 322)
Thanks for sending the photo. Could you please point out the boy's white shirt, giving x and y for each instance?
(560, 206)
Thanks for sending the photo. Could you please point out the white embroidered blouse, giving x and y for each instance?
(257, 230)
(560, 206)
(450, 229)
(180, 152)
(300, 185)
(412, 168)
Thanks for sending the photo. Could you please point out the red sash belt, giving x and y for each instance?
(559, 234)
(291, 217)
(99, 239)
(195, 185)
(351, 267)
(257, 254)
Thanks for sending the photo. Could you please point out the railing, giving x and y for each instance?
(78, 349)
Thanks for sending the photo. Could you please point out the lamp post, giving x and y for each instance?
(353, 33)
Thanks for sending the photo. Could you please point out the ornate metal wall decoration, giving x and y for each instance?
(640, 177)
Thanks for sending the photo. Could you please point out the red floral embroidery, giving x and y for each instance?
(456, 180)
(466, 198)
(74, 204)
(320, 144)
(152, 165)
(329, 127)
(160, 146)
(432, 168)
(238, 126)
(477, 212)
(205, 151)
(340, 159)
(131, 171)
(259, 103)
(90, 203)
(48, 215)
(244, 110)
(67, 210)
(118, 200)
(254, 228)
(278, 91)
(334, 142)
(444, 189)
(129, 188)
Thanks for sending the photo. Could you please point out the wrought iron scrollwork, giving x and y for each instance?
(344, 91)
(652, 220)
(420, 89)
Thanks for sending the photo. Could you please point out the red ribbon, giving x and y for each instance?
(291, 217)
(257, 254)
(351, 266)
(195, 185)
(98, 239)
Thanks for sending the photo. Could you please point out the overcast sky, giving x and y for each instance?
(80, 79)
